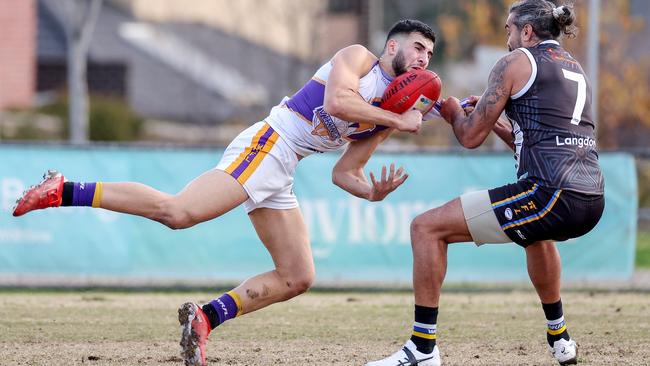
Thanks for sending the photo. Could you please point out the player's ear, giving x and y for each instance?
(392, 46)
(527, 32)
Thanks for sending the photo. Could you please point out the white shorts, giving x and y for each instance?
(481, 221)
(264, 165)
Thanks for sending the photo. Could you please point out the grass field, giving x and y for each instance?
(643, 250)
(319, 328)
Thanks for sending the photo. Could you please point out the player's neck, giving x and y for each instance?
(533, 42)
(386, 67)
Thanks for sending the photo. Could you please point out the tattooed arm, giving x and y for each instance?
(507, 76)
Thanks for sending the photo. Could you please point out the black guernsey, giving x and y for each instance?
(552, 124)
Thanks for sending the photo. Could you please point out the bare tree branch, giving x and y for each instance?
(78, 18)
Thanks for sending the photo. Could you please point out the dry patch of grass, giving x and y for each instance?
(495, 328)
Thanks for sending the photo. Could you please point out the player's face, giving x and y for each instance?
(414, 53)
(514, 34)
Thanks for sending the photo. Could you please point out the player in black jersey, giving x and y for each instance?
(559, 192)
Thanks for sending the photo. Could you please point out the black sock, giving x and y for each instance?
(556, 329)
(424, 328)
(68, 189)
(212, 315)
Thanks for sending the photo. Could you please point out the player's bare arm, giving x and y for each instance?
(342, 99)
(348, 172)
(471, 130)
(503, 129)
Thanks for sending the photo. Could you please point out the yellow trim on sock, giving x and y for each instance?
(97, 197)
(237, 299)
(556, 332)
(424, 335)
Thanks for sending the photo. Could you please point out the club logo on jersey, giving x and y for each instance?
(334, 129)
(562, 56)
(508, 213)
(324, 125)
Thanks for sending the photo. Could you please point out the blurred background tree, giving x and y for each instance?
(625, 74)
(110, 119)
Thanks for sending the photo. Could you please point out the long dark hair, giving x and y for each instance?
(547, 20)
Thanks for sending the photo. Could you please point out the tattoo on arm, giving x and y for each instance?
(496, 90)
(473, 129)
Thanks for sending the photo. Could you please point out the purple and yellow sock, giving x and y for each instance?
(225, 307)
(82, 194)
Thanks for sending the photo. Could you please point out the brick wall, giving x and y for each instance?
(17, 52)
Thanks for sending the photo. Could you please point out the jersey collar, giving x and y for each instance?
(551, 41)
(384, 73)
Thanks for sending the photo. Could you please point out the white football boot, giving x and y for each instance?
(565, 352)
(410, 356)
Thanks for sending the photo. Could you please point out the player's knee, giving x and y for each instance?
(178, 222)
(422, 224)
(299, 283)
(427, 229)
(300, 286)
(175, 217)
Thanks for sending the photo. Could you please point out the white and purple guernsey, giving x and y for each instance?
(302, 122)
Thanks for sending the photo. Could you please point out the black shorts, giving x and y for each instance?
(528, 212)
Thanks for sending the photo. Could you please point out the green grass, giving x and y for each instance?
(643, 250)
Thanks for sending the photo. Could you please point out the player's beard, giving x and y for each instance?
(399, 63)
(513, 47)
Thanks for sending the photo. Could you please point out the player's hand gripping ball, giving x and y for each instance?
(417, 89)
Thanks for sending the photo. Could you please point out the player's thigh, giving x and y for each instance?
(257, 164)
(210, 195)
(447, 222)
(284, 233)
(512, 212)
(528, 212)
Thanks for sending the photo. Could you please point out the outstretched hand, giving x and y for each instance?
(449, 108)
(380, 189)
(452, 107)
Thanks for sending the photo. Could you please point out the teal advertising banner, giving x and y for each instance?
(353, 241)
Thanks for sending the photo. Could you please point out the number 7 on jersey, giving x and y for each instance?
(582, 94)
